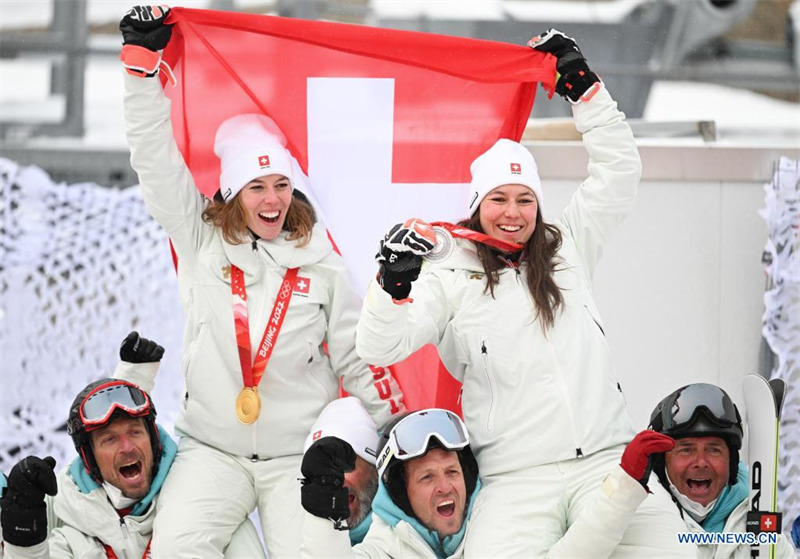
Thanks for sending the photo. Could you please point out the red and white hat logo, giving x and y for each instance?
(516, 168)
(263, 161)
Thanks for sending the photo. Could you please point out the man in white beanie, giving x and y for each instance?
(347, 420)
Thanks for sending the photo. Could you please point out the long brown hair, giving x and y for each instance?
(230, 219)
(541, 254)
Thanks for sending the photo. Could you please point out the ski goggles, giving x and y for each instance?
(412, 435)
(98, 406)
(681, 407)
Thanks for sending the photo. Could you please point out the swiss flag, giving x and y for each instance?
(302, 285)
(769, 523)
(516, 168)
(316, 435)
(453, 97)
(441, 102)
(263, 161)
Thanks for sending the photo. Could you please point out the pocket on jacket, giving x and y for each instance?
(595, 316)
(491, 382)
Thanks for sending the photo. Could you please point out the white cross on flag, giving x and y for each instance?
(516, 168)
(263, 161)
(302, 285)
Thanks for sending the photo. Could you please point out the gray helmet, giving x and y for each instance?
(699, 410)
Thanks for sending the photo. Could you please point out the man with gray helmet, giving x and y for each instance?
(703, 473)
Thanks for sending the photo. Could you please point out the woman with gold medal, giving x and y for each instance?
(262, 290)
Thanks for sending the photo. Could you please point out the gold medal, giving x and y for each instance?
(248, 405)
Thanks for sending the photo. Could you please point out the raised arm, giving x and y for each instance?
(608, 194)
(396, 319)
(139, 361)
(167, 186)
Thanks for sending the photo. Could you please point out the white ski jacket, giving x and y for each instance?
(736, 522)
(381, 542)
(529, 397)
(300, 379)
(80, 523)
(596, 533)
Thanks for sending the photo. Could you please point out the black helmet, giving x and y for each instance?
(412, 435)
(699, 410)
(99, 404)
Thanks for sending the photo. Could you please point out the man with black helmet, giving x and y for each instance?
(703, 472)
(103, 504)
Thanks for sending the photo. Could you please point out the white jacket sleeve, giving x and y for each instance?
(615, 168)
(320, 540)
(379, 392)
(388, 331)
(142, 375)
(38, 551)
(600, 527)
(167, 186)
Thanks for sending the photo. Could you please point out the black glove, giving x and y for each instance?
(24, 514)
(324, 464)
(575, 77)
(140, 350)
(400, 256)
(144, 26)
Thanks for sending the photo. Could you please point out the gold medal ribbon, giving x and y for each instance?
(248, 403)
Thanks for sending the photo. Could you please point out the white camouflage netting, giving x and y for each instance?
(80, 266)
(782, 321)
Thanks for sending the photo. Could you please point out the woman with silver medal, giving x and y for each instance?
(270, 317)
(506, 297)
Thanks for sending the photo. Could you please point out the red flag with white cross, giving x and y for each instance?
(384, 125)
(302, 285)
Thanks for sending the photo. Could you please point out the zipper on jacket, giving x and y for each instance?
(492, 388)
(594, 320)
(566, 398)
(124, 527)
(254, 432)
(309, 363)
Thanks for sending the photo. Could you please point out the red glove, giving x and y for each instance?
(636, 460)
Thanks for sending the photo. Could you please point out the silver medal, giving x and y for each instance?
(444, 245)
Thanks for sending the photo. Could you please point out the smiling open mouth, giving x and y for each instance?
(269, 217)
(132, 470)
(509, 228)
(446, 508)
(698, 484)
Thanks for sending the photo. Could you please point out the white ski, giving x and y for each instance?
(763, 401)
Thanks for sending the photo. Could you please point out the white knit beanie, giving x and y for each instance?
(249, 146)
(506, 162)
(347, 419)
